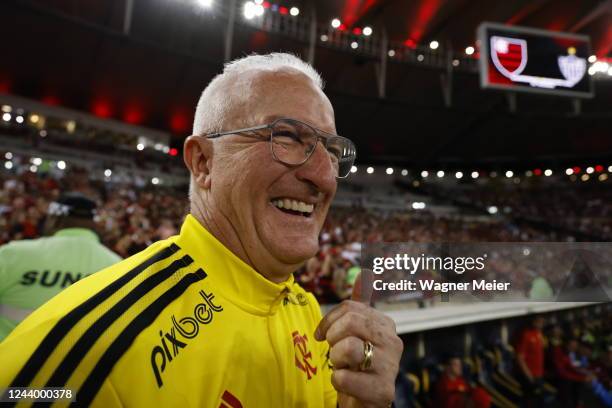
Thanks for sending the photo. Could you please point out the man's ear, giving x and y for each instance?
(197, 154)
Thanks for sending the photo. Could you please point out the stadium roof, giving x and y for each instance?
(76, 54)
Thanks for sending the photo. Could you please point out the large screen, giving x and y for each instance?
(532, 60)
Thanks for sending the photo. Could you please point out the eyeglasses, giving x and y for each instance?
(292, 143)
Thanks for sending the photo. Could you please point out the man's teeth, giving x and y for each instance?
(294, 205)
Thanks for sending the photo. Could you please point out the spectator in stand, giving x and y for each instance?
(452, 391)
(570, 377)
(33, 271)
(530, 361)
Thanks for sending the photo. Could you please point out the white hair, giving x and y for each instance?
(215, 105)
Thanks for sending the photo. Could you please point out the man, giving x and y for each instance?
(569, 375)
(212, 317)
(530, 361)
(453, 391)
(33, 271)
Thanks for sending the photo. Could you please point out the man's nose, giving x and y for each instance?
(319, 170)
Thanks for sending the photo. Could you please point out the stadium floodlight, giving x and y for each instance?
(469, 50)
(424, 173)
(6, 117)
(391, 53)
(335, 23)
(155, 181)
(548, 172)
(569, 171)
(434, 45)
(389, 170)
(459, 175)
(323, 37)
(492, 209)
(592, 58)
(440, 173)
(370, 170)
(8, 165)
(354, 45)
(509, 173)
(354, 169)
(474, 174)
(367, 31)
(294, 11)
(404, 172)
(61, 165)
(37, 161)
(206, 3)
(8, 155)
(108, 173)
(249, 10)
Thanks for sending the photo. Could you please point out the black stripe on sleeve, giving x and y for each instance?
(68, 321)
(85, 343)
(120, 345)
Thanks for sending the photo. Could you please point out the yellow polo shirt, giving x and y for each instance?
(183, 323)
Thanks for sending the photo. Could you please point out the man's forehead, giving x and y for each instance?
(262, 96)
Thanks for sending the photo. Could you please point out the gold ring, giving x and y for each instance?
(368, 353)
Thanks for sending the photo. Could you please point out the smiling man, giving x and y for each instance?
(212, 317)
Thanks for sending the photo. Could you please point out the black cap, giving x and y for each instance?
(73, 205)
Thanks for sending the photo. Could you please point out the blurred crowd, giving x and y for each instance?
(130, 218)
(565, 364)
(578, 207)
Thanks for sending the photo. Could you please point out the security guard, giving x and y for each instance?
(33, 271)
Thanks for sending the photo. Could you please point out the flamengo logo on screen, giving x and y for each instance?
(186, 328)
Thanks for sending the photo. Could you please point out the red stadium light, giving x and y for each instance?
(133, 116)
(51, 100)
(537, 172)
(576, 169)
(179, 122)
(342, 27)
(357, 31)
(5, 86)
(102, 109)
(410, 43)
(599, 168)
(173, 152)
(266, 4)
(283, 10)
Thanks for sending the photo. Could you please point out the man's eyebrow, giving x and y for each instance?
(272, 118)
